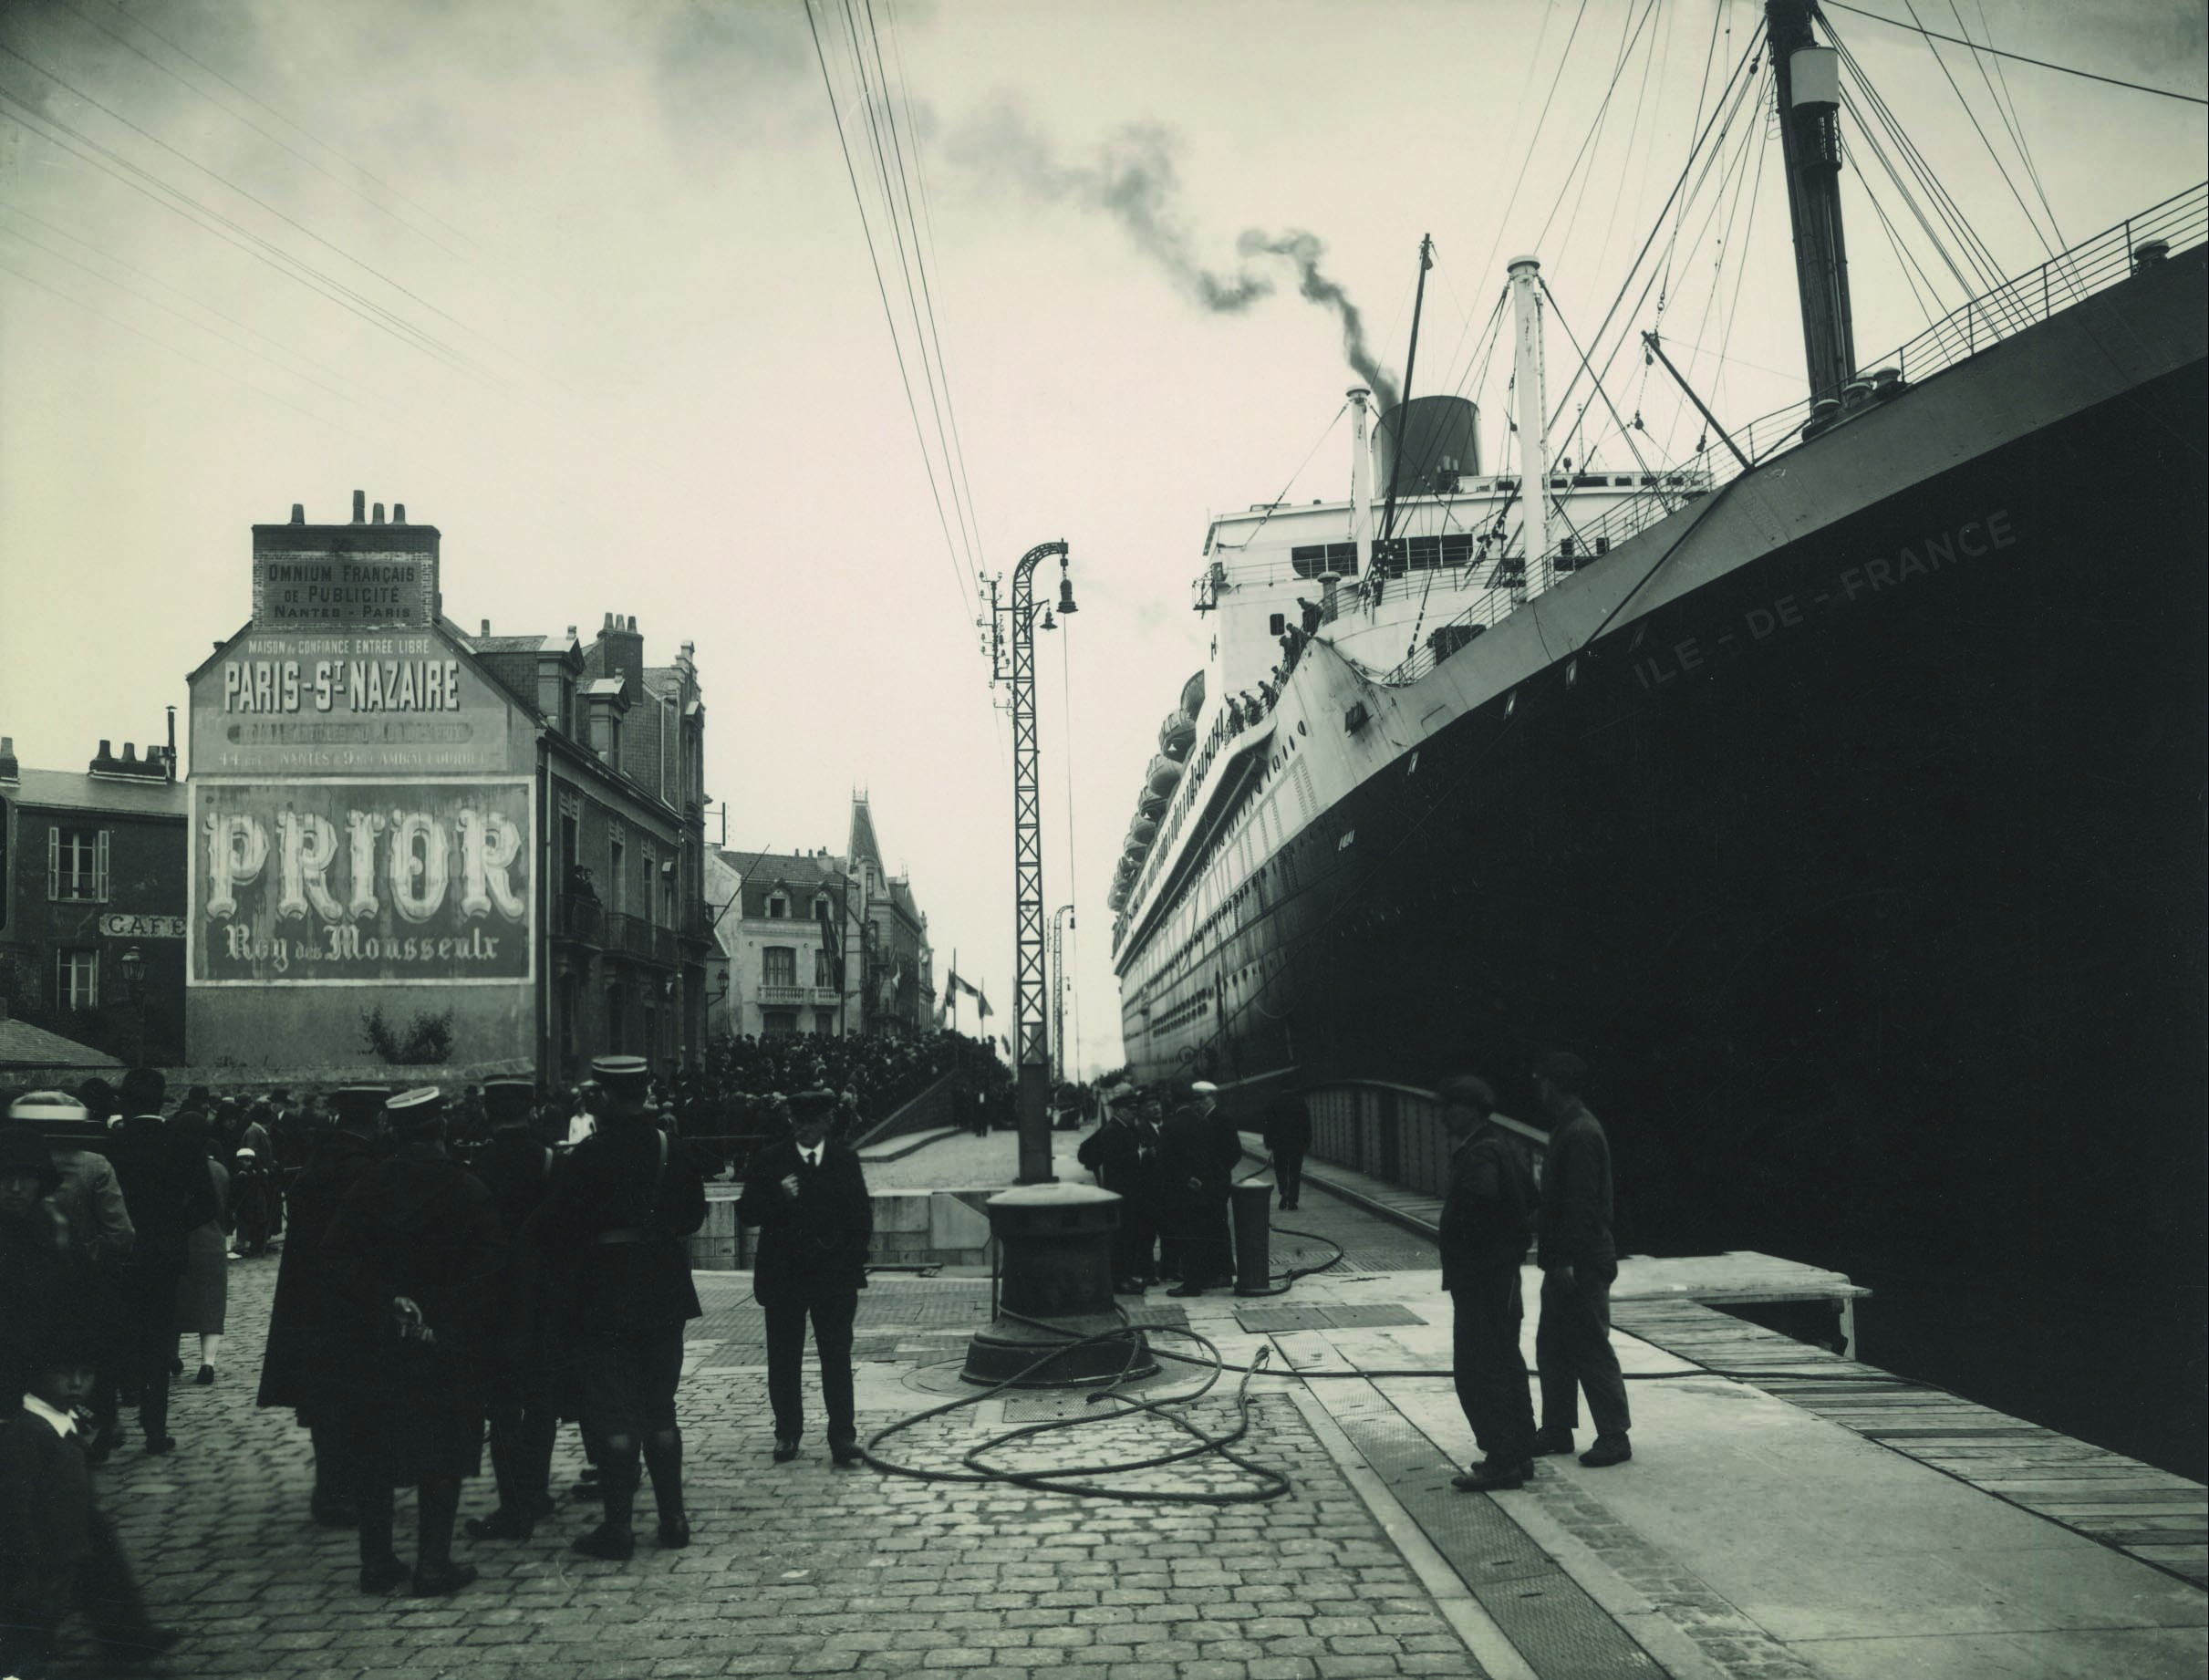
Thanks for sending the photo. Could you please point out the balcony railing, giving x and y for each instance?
(633, 935)
(2091, 266)
(785, 995)
(579, 919)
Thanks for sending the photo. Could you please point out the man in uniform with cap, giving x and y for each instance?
(517, 1167)
(622, 1207)
(808, 1197)
(417, 1249)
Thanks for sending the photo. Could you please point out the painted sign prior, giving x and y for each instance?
(118, 926)
(311, 588)
(362, 882)
(339, 703)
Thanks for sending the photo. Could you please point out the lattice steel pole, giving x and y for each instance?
(1014, 664)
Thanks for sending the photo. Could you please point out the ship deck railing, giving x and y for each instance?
(2178, 223)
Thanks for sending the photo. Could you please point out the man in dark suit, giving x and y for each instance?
(167, 1191)
(1196, 1157)
(516, 1166)
(1288, 1133)
(306, 1366)
(1579, 1264)
(416, 1248)
(1487, 1220)
(622, 1210)
(808, 1197)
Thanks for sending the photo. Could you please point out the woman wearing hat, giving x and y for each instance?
(202, 1293)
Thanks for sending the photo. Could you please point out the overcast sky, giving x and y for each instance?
(613, 328)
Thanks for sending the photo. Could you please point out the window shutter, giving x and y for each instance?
(53, 863)
(100, 890)
(92, 961)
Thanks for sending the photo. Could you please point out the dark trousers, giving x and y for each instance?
(103, 1588)
(149, 1346)
(1288, 1174)
(1491, 1374)
(832, 1307)
(1572, 1346)
(1135, 1244)
(521, 1440)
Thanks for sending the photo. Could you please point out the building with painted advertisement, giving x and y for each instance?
(92, 900)
(413, 845)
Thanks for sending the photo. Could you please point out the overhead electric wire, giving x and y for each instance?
(186, 54)
(175, 199)
(920, 174)
(951, 548)
(253, 198)
(274, 139)
(2068, 69)
(881, 151)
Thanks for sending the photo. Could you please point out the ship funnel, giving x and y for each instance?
(1361, 480)
(1437, 439)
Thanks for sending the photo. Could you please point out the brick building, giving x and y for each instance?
(412, 844)
(92, 871)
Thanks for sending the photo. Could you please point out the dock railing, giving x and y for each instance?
(1395, 1133)
(2093, 266)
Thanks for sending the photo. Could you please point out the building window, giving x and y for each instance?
(779, 965)
(821, 975)
(1311, 560)
(77, 865)
(778, 1023)
(77, 979)
(616, 862)
(778, 908)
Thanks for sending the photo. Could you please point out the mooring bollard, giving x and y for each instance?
(1054, 1288)
(1251, 1204)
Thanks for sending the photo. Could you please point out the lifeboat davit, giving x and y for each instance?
(1177, 735)
(1163, 776)
(1192, 696)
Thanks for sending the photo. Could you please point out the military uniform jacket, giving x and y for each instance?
(817, 1239)
(309, 1350)
(420, 1226)
(618, 1222)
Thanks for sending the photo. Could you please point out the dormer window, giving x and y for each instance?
(820, 905)
(778, 908)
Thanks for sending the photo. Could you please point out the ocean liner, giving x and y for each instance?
(1839, 797)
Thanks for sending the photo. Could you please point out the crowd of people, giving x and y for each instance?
(453, 1272)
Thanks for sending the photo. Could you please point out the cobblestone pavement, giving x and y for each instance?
(797, 1569)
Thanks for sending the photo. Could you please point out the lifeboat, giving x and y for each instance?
(1142, 830)
(1163, 776)
(1116, 900)
(1132, 854)
(1177, 735)
(1152, 805)
(1192, 696)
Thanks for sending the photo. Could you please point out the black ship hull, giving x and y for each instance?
(1867, 876)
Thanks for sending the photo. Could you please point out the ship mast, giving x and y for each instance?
(1807, 77)
(1534, 415)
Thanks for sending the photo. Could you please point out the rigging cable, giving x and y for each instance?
(2009, 116)
(1896, 23)
(2001, 168)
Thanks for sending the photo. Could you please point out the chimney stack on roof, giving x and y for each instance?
(9, 769)
(379, 513)
(298, 513)
(486, 630)
(398, 512)
(360, 504)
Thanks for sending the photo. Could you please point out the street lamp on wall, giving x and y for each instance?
(133, 964)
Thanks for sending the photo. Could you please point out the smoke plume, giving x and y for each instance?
(1303, 251)
(1133, 181)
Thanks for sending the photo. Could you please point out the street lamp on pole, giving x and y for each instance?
(1011, 627)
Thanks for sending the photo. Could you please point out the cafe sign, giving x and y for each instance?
(116, 925)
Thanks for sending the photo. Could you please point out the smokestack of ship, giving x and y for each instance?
(1423, 447)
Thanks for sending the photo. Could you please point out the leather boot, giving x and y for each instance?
(619, 1471)
(663, 1458)
(380, 1569)
(438, 1501)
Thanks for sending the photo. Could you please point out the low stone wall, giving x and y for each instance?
(912, 1227)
